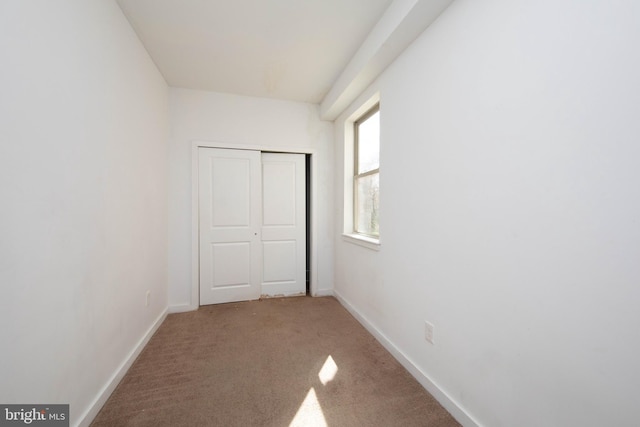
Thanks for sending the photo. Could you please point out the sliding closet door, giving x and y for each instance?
(283, 224)
(252, 218)
(230, 215)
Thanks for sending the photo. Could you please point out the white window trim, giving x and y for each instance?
(362, 240)
(348, 234)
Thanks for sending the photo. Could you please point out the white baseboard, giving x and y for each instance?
(323, 293)
(111, 385)
(445, 400)
(182, 308)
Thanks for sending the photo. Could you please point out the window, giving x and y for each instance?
(366, 175)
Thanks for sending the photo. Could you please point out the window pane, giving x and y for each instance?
(368, 188)
(369, 144)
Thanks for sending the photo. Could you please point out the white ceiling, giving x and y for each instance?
(285, 49)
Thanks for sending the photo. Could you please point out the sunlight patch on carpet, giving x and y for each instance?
(328, 371)
(309, 413)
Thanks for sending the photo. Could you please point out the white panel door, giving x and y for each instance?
(283, 224)
(229, 210)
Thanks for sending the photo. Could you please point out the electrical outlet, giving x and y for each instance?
(148, 298)
(428, 332)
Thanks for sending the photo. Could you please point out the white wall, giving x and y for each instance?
(243, 122)
(83, 191)
(510, 211)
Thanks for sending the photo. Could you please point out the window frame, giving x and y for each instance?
(356, 175)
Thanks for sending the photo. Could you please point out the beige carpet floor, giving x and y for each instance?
(276, 362)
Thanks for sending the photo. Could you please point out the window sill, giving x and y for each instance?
(360, 240)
